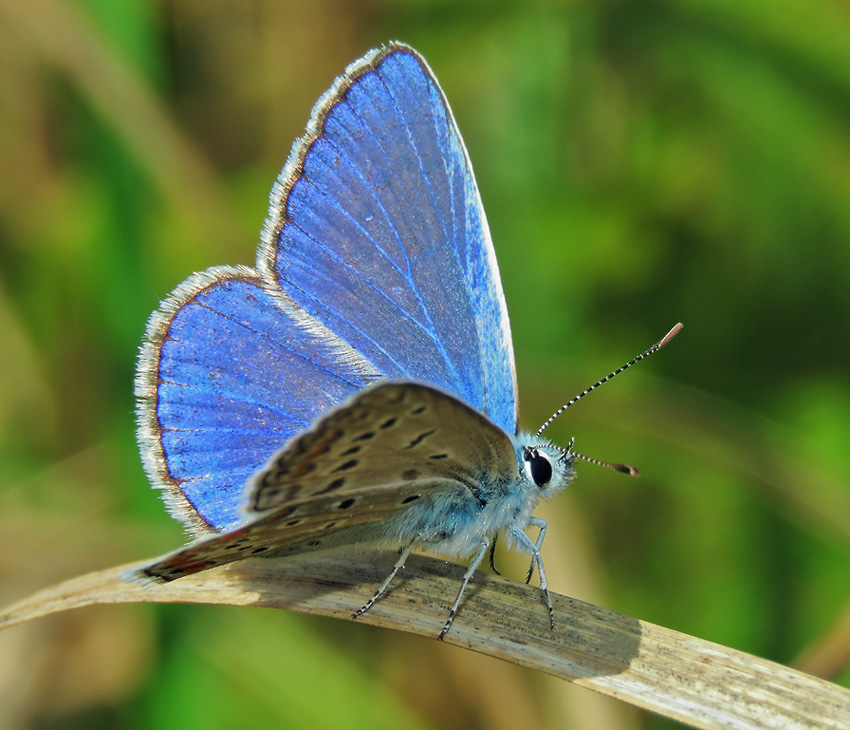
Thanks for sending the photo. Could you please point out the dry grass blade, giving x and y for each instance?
(696, 682)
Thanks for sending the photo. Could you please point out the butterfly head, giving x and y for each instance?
(546, 467)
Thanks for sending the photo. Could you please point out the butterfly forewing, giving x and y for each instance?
(391, 449)
(378, 232)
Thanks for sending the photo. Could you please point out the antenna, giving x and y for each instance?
(622, 468)
(657, 346)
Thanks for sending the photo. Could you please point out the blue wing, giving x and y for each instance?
(376, 261)
(226, 376)
(377, 231)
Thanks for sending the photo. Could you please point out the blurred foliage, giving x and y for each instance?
(641, 163)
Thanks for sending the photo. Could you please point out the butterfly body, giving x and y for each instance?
(357, 384)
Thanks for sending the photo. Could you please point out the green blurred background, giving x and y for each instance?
(641, 164)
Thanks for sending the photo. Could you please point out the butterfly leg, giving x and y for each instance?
(473, 566)
(399, 564)
(533, 547)
(493, 555)
(535, 556)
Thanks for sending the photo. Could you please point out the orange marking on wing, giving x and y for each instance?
(186, 565)
(323, 446)
(188, 562)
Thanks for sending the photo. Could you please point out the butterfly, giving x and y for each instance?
(357, 385)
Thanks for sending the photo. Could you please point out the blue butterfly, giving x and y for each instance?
(357, 385)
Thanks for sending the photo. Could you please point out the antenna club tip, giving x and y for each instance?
(670, 335)
(624, 469)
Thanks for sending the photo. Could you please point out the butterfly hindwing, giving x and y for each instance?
(215, 384)
(391, 434)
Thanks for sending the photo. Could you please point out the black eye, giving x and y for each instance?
(539, 467)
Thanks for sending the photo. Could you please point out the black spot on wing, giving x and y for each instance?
(411, 498)
(420, 438)
(350, 464)
(333, 486)
(346, 503)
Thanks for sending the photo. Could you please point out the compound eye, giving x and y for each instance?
(539, 467)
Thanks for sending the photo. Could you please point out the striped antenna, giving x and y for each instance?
(657, 346)
(622, 468)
